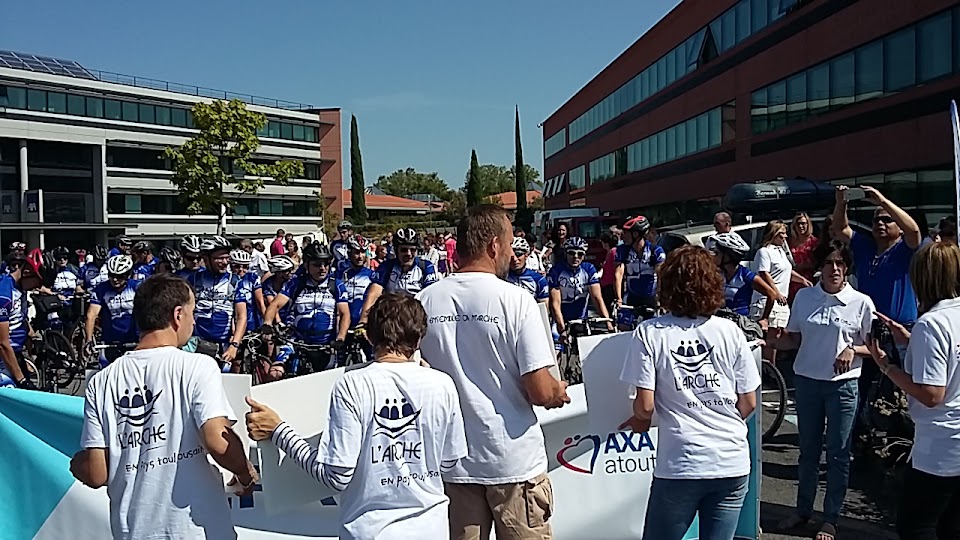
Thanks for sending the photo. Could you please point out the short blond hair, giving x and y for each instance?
(935, 274)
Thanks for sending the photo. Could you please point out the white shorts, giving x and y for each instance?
(779, 315)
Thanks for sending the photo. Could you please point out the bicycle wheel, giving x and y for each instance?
(60, 360)
(773, 396)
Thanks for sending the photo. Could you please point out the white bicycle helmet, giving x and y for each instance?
(119, 265)
(732, 243)
(212, 243)
(519, 244)
(574, 243)
(239, 256)
(190, 244)
(280, 263)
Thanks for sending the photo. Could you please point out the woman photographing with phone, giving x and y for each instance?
(930, 498)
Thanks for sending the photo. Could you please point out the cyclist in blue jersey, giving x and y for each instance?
(123, 246)
(190, 253)
(144, 263)
(17, 250)
(95, 272)
(356, 279)
(339, 246)
(529, 280)
(281, 267)
(739, 282)
(66, 283)
(23, 275)
(572, 282)
(221, 311)
(319, 313)
(407, 273)
(251, 287)
(117, 327)
(636, 264)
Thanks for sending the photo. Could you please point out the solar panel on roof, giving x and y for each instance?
(44, 64)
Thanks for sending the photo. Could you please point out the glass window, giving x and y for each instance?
(129, 111)
(94, 107)
(681, 130)
(75, 105)
(163, 115)
(900, 60)
(797, 98)
(729, 24)
(758, 15)
(691, 135)
(298, 134)
(703, 132)
(36, 100)
(716, 28)
(694, 46)
(713, 119)
(661, 146)
(680, 59)
(56, 102)
(178, 117)
(661, 74)
(189, 118)
(644, 84)
(758, 111)
(147, 114)
(645, 153)
(841, 81)
(112, 109)
(818, 89)
(869, 71)
(671, 66)
(313, 134)
(286, 130)
(654, 142)
(671, 152)
(274, 129)
(777, 104)
(131, 204)
(13, 97)
(935, 47)
(743, 20)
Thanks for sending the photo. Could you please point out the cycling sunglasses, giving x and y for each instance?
(883, 219)
(576, 253)
(119, 276)
(519, 252)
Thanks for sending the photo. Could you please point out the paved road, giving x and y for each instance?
(871, 499)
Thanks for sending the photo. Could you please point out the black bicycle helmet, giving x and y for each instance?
(171, 257)
(99, 253)
(124, 240)
(406, 237)
(143, 246)
(61, 252)
(316, 252)
(638, 224)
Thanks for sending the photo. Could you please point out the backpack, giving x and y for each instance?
(234, 282)
(421, 264)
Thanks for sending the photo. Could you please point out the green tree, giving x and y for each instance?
(407, 182)
(357, 188)
(456, 208)
(220, 155)
(473, 186)
(495, 179)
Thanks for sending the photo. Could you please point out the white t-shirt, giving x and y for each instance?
(147, 409)
(696, 368)
(534, 262)
(432, 255)
(773, 259)
(828, 324)
(486, 333)
(395, 423)
(932, 357)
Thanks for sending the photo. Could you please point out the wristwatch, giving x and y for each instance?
(235, 344)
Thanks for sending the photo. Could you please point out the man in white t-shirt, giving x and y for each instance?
(151, 418)
(487, 335)
(394, 428)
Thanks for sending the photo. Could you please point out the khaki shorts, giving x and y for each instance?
(518, 511)
(778, 318)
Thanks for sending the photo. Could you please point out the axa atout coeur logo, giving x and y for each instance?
(622, 452)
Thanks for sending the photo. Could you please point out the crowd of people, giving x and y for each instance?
(474, 318)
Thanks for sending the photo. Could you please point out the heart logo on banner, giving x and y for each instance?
(573, 444)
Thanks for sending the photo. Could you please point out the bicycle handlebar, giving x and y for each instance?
(105, 346)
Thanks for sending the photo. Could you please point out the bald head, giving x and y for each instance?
(722, 222)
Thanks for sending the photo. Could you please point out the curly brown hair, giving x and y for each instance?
(688, 283)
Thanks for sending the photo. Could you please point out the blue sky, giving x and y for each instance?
(428, 80)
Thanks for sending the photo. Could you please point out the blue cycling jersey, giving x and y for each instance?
(66, 281)
(574, 286)
(340, 251)
(116, 314)
(738, 290)
(356, 282)
(217, 296)
(392, 278)
(186, 273)
(313, 313)
(248, 286)
(639, 273)
(114, 252)
(142, 271)
(13, 311)
(93, 275)
(531, 281)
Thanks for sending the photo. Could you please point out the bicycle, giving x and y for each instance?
(122, 348)
(628, 318)
(253, 360)
(569, 365)
(54, 361)
(355, 348)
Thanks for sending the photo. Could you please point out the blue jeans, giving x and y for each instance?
(674, 504)
(833, 403)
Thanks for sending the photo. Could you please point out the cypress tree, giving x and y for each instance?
(357, 186)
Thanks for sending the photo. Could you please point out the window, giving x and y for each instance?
(94, 107)
(758, 15)
(112, 109)
(681, 132)
(777, 104)
(273, 129)
(147, 113)
(743, 20)
(129, 111)
(56, 102)
(841, 81)
(551, 146)
(76, 105)
(934, 47)
(578, 178)
(271, 207)
(691, 126)
(298, 134)
(313, 134)
(189, 114)
(869, 71)
(36, 100)
(178, 117)
(163, 115)
(131, 204)
(703, 132)
(115, 203)
(713, 119)
(728, 21)
(900, 60)
(797, 98)
(286, 130)
(671, 66)
(645, 160)
(311, 171)
(818, 89)
(13, 97)
(671, 144)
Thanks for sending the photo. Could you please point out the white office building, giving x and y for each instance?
(81, 158)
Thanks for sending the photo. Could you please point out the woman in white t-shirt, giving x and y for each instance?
(773, 265)
(391, 404)
(698, 372)
(830, 324)
(930, 497)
